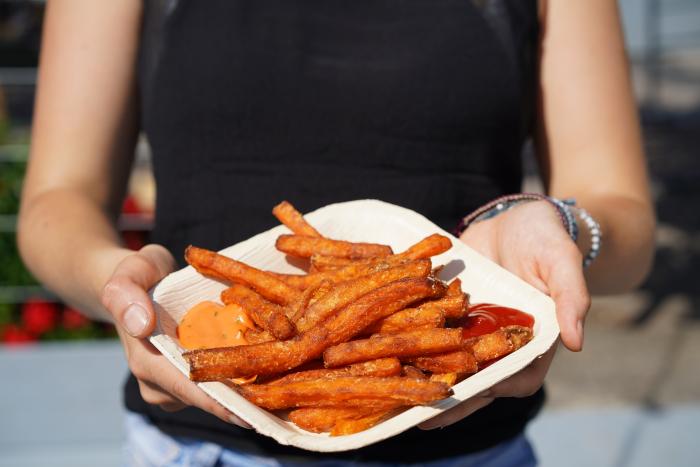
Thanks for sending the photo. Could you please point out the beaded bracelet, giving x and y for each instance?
(564, 209)
(596, 236)
(503, 203)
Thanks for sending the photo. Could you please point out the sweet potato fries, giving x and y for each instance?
(365, 334)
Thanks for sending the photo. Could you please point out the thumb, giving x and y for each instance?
(125, 295)
(567, 287)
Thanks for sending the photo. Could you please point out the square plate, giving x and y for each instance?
(368, 221)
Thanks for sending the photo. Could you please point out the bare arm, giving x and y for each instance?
(590, 148)
(83, 138)
(589, 136)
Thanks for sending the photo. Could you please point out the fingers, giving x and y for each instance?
(125, 294)
(527, 381)
(567, 287)
(160, 257)
(154, 395)
(457, 413)
(126, 297)
(188, 392)
(524, 383)
(162, 384)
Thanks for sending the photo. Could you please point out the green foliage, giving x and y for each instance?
(4, 129)
(11, 175)
(7, 313)
(12, 270)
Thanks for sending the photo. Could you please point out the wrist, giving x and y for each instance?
(569, 214)
(498, 206)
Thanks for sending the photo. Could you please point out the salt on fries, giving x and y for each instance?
(365, 334)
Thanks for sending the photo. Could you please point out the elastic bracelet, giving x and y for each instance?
(564, 206)
(564, 209)
(503, 203)
(596, 236)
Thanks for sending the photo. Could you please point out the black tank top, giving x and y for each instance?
(421, 103)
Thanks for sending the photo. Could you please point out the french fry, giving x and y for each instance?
(324, 263)
(304, 247)
(402, 345)
(280, 356)
(348, 426)
(223, 268)
(460, 361)
(455, 303)
(355, 391)
(258, 336)
(382, 367)
(430, 314)
(480, 349)
(412, 372)
(351, 271)
(247, 360)
(269, 316)
(297, 281)
(498, 343)
(355, 270)
(345, 271)
(430, 246)
(320, 419)
(380, 302)
(423, 317)
(293, 219)
(297, 309)
(455, 288)
(448, 378)
(320, 291)
(349, 291)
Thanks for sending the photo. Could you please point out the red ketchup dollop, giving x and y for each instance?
(484, 318)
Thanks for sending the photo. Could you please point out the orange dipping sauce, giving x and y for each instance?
(485, 318)
(208, 325)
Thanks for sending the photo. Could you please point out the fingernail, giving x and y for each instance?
(135, 319)
(487, 393)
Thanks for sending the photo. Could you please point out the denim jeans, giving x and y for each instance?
(146, 446)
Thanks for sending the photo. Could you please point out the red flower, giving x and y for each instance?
(13, 334)
(133, 240)
(39, 316)
(73, 319)
(130, 206)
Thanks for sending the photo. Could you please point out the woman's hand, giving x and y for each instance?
(125, 297)
(530, 241)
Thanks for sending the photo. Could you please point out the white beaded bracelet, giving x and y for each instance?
(596, 236)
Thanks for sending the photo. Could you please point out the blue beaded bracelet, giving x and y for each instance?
(564, 208)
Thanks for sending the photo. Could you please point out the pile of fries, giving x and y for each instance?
(364, 334)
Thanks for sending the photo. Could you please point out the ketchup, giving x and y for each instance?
(485, 318)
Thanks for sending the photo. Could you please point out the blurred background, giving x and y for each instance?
(631, 398)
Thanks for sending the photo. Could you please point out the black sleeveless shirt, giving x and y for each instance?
(421, 103)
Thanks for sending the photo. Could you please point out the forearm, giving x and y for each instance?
(627, 250)
(71, 245)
